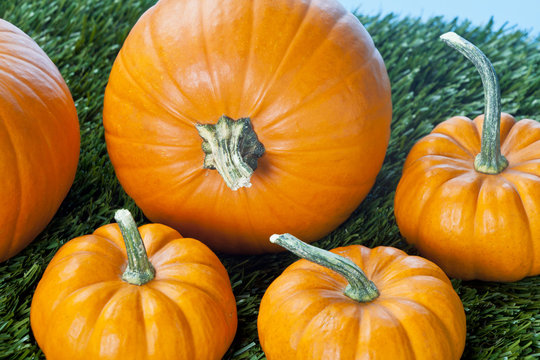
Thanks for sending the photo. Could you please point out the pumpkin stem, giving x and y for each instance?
(489, 160)
(139, 270)
(359, 287)
(232, 148)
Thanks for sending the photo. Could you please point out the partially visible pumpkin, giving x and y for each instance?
(94, 302)
(291, 98)
(39, 140)
(471, 202)
(358, 303)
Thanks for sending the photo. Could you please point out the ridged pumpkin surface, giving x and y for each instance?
(305, 315)
(39, 140)
(82, 309)
(474, 225)
(308, 76)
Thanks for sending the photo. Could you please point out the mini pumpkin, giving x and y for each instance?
(94, 302)
(359, 303)
(234, 119)
(471, 202)
(39, 140)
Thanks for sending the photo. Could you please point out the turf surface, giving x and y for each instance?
(429, 82)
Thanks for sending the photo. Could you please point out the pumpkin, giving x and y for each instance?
(96, 302)
(471, 202)
(39, 140)
(359, 303)
(234, 119)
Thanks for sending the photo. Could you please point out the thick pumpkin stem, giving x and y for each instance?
(139, 270)
(489, 160)
(359, 287)
(232, 148)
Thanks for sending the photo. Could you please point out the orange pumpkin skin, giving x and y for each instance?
(308, 76)
(82, 309)
(39, 140)
(474, 225)
(304, 314)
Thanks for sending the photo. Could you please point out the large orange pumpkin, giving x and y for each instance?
(471, 202)
(96, 302)
(306, 104)
(359, 303)
(39, 140)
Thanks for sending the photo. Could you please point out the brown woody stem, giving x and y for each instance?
(359, 287)
(232, 148)
(489, 160)
(139, 270)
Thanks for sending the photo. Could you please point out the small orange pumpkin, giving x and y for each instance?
(289, 102)
(39, 140)
(471, 203)
(358, 303)
(95, 303)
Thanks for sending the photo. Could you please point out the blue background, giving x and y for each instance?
(524, 14)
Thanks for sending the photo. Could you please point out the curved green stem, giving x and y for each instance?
(232, 148)
(359, 287)
(139, 270)
(489, 160)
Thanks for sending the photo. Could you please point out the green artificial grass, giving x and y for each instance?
(430, 83)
